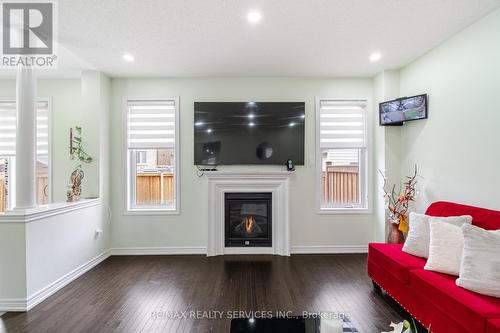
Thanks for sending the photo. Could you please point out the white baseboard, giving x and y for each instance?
(12, 305)
(329, 249)
(171, 250)
(304, 249)
(21, 305)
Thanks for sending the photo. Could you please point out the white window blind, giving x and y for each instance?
(8, 123)
(42, 129)
(342, 124)
(151, 124)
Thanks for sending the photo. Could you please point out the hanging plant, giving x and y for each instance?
(76, 146)
(77, 152)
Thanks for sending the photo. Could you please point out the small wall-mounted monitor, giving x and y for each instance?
(401, 110)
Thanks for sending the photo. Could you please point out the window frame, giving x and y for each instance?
(130, 167)
(365, 165)
(12, 159)
(139, 153)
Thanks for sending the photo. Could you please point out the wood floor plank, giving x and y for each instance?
(138, 293)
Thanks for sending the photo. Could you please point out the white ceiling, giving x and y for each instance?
(294, 37)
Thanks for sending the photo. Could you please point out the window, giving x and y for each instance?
(343, 154)
(8, 121)
(152, 155)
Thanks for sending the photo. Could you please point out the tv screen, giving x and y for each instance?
(248, 133)
(400, 110)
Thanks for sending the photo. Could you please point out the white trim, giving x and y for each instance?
(2, 313)
(127, 162)
(50, 146)
(20, 305)
(12, 304)
(249, 250)
(151, 212)
(329, 249)
(42, 212)
(367, 190)
(344, 211)
(170, 250)
(275, 182)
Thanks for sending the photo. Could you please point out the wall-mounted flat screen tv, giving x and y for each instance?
(401, 110)
(248, 133)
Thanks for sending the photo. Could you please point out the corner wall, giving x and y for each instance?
(387, 149)
(458, 148)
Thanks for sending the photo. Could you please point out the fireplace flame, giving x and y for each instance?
(249, 224)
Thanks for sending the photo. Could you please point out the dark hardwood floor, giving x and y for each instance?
(138, 293)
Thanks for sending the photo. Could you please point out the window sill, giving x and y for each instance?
(151, 212)
(344, 211)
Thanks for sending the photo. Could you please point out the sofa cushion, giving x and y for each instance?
(394, 261)
(493, 326)
(480, 271)
(468, 308)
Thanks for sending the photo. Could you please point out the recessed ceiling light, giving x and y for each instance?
(209, 130)
(376, 56)
(251, 124)
(251, 116)
(303, 116)
(251, 320)
(253, 16)
(128, 57)
(291, 124)
(198, 123)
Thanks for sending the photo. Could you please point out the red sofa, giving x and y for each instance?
(433, 298)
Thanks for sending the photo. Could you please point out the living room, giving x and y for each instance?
(249, 166)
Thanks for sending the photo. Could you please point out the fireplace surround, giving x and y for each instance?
(275, 184)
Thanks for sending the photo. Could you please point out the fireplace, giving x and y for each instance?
(248, 219)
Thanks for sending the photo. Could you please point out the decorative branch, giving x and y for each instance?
(398, 202)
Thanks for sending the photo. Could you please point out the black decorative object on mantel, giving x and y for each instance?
(289, 165)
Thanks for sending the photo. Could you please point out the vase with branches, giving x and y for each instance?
(77, 152)
(398, 202)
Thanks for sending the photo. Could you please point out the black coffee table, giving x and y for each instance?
(283, 325)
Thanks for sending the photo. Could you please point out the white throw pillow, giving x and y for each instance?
(445, 247)
(418, 239)
(480, 267)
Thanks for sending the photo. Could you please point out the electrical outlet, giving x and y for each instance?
(98, 233)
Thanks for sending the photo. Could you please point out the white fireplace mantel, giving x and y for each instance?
(275, 182)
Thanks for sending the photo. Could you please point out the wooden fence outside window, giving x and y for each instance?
(154, 188)
(341, 184)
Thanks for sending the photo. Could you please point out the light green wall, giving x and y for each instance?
(458, 147)
(66, 112)
(387, 149)
(190, 227)
(67, 105)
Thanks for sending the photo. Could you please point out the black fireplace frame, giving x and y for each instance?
(248, 242)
